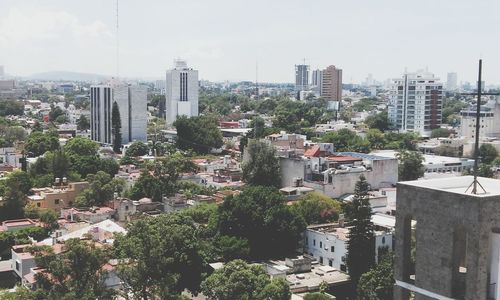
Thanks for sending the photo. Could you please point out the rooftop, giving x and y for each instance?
(458, 185)
(372, 156)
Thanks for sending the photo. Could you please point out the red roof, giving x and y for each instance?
(314, 151)
(342, 158)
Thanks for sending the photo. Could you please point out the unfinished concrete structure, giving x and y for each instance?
(457, 238)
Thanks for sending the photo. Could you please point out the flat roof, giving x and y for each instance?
(371, 156)
(458, 185)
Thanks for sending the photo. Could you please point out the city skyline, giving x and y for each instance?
(226, 43)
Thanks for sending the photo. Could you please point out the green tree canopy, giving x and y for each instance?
(200, 134)
(160, 257)
(137, 149)
(488, 153)
(239, 280)
(410, 165)
(37, 143)
(347, 140)
(378, 121)
(80, 146)
(378, 283)
(82, 123)
(317, 208)
(262, 166)
(440, 132)
(101, 189)
(160, 178)
(77, 273)
(261, 216)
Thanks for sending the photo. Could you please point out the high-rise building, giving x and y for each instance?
(182, 92)
(451, 82)
(415, 103)
(317, 81)
(132, 104)
(2, 72)
(331, 88)
(301, 78)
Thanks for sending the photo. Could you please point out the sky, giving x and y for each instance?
(226, 39)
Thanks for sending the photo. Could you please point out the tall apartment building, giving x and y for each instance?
(415, 102)
(2, 72)
(490, 120)
(451, 82)
(182, 92)
(132, 104)
(331, 88)
(301, 78)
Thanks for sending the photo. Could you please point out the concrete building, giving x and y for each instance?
(457, 239)
(301, 78)
(327, 243)
(317, 81)
(331, 88)
(182, 92)
(415, 103)
(2, 72)
(56, 197)
(336, 174)
(132, 104)
(452, 82)
(490, 120)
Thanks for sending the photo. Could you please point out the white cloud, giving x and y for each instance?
(35, 25)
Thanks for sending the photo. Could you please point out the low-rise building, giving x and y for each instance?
(91, 215)
(327, 243)
(126, 208)
(58, 196)
(18, 224)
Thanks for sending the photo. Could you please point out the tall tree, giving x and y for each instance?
(378, 283)
(160, 257)
(82, 123)
(261, 216)
(317, 208)
(410, 165)
(77, 273)
(239, 280)
(116, 127)
(200, 134)
(262, 166)
(488, 153)
(361, 244)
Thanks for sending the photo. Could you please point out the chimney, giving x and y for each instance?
(341, 220)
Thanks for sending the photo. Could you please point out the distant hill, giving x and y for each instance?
(70, 76)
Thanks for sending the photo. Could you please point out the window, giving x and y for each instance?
(38, 204)
(330, 263)
(321, 244)
(383, 240)
(332, 248)
(126, 207)
(314, 242)
(56, 201)
(321, 259)
(18, 265)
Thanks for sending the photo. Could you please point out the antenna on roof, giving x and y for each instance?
(476, 183)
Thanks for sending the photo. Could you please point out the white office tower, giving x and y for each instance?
(132, 104)
(182, 92)
(415, 103)
(451, 82)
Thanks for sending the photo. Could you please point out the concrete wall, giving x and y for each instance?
(440, 215)
(291, 168)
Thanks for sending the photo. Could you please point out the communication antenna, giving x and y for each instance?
(476, 183)
(117, 42)
(257, 80)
